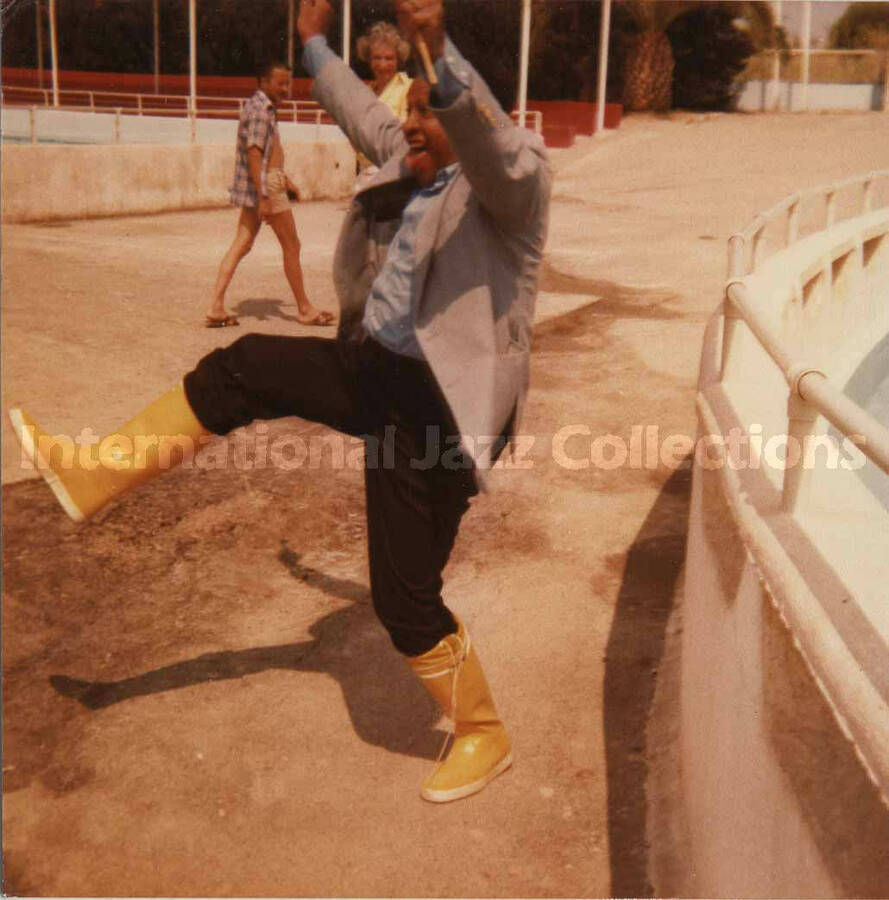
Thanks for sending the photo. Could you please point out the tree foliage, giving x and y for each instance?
(649, 65)
(117, 35)
(862, 25)
(709, 51)
(235, 35)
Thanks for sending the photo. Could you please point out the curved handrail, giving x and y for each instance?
(812, 386)
(807, 383)
(855, 691)
(790, 205)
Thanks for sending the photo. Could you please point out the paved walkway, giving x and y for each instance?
(197, 699)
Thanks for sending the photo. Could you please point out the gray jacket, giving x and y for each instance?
(479, 247)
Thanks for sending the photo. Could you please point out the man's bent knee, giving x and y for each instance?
(218, 387)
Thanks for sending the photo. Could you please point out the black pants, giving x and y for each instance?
(415, 498)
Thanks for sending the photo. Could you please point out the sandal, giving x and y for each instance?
(321, 317)
(222, 322)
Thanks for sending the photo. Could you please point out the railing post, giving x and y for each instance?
(732, 321)
(776, 79)
(736, 256)
(801, 426)
(32, 116)
(792, 233)
(886, 81)
(758, 245)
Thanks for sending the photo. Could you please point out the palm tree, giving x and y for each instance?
(648, 66)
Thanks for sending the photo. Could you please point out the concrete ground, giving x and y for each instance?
(197, 699)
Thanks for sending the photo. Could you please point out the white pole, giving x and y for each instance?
(39, 45)
(157, 47)
(290, 34)
(776, 64)
(604, 30)
(347, 29)
(523, 61)
(807, 43)
(193, 55)
(886, 81)
(54, 46)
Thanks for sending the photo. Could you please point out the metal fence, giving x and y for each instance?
(812, 393)
(121, 103)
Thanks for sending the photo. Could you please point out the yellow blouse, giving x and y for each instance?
(394, 95)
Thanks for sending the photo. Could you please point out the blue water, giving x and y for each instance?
(869, 388)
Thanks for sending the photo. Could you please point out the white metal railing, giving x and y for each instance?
(312, 116)
(145, 104)
(125, 103)
(812, 393)
(811, 307)
(535, 115)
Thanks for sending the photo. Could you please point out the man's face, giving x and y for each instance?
(383, 63)
(430, 149)
(276, 85)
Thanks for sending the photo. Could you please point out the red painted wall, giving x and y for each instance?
(576, 114)
(138, 83)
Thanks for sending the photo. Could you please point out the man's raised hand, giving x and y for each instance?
(314, 18)
(424, 19)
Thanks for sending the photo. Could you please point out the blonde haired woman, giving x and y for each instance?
(384, 49)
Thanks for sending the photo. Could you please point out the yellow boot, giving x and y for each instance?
(84, 477)
(451, 672)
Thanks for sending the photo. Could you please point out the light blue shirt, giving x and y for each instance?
(388, 313)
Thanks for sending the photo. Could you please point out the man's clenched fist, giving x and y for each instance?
(314, 18)
(423, 18)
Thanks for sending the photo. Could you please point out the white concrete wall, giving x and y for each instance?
(45, 181)
(748, 831)
(785, 642)
(756, 96)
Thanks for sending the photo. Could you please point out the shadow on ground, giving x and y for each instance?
(347, 644)
(263, 309)
(635, 648)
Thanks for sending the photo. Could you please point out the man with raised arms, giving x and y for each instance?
(436, 271)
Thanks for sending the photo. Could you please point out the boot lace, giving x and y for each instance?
(454, 665)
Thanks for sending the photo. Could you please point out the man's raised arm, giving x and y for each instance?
(507, 167)
(368, 123)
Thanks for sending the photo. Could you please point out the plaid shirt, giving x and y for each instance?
(257, 127)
